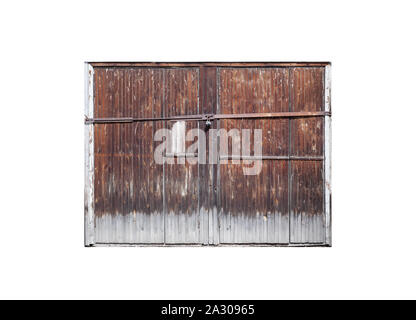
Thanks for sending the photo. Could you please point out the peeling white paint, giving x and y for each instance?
(242, 228)
(89, 158)
(328, 155)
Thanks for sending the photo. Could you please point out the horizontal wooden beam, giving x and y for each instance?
(231, 157)
(207, 117)
(209, 64)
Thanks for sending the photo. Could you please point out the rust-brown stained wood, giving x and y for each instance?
(307, 220)
(133, 192)
(129, 204)
(254, 209)
(208, 172)
(182, 218)
(113, 155)
(137, 201)
(307, 224)
(147, 176)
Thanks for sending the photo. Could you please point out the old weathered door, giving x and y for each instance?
(206, 196)
(284, 202)
(135, 199)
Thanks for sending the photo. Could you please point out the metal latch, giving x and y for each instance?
(208, 118)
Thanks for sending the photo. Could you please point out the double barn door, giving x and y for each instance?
(132, 199)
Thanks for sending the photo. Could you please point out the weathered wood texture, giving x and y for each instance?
(208, 171)
(182, 217)
(136, 201)
(132, 192)
(89, 230)
(254, 209)
(307, 221)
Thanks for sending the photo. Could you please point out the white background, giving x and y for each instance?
(371, 45)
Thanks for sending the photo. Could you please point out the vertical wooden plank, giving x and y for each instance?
(203, 172)
(214, 161)
(147, 175)
(290, 180)
(306, 139)
(328, 157)
(127, 157)
(218, 222)
(130, 207)
(207, 105)
(307, 202)
(163, 112)
(101, 154)
(89, 232)
(181, 177)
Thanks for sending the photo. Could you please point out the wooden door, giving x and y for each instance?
(206, 197)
